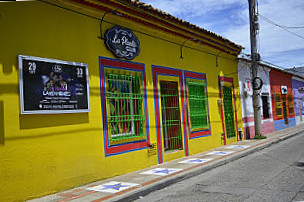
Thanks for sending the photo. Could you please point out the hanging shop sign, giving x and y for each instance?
(122, 42)
(257, 83)
(301, 90)
(284, 90)
(52, 86)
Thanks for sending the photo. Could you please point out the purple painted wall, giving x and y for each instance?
(298, 99)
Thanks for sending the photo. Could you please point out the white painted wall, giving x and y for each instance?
(244, 68)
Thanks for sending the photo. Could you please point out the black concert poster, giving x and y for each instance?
(53, 86)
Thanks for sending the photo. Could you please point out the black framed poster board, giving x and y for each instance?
(49, 86)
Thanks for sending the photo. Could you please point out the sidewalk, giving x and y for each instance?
(133, 185)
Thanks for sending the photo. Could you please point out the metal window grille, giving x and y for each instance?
(266, 108)
(290, 105)
(197, 104)
(228, 111)
(284, 104)
(300, 104)
(278, 105)
(171, 116)
(125, 103)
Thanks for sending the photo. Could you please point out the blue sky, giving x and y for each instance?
(229, 18)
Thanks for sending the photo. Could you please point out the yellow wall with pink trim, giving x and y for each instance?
(46, 153)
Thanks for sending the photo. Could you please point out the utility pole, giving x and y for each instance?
(254, 26)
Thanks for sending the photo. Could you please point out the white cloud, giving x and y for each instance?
(277, 43)
(229, 18)
(192, 7)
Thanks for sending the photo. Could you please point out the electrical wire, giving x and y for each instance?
(96, 18)
(206, 52)
(258, 38)
(280, 26)
(281, 69)
(247, 57)
(273, 65)
(301, 27)
(266, 74)
(257, 6)
(236, 71)
(287, 27)
(197, 35)
(294, 70)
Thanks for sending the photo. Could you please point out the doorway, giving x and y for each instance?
(228, 112)
(285, 110)
(300, 109)
(265, 106)
(171, 122)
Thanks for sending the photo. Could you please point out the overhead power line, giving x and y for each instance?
(287, 27)
(300, 27)
(295, 70)
(281, 26)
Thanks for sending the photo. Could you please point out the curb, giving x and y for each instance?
(162, 183)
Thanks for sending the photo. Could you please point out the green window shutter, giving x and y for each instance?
(197, 104)
(124, 106)
(228, 112)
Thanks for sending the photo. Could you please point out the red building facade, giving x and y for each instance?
(282, 99)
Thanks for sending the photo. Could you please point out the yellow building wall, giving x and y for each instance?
(44, 153)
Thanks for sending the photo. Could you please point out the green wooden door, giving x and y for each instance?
(228, 112)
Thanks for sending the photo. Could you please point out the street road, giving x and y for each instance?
(272, 174)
